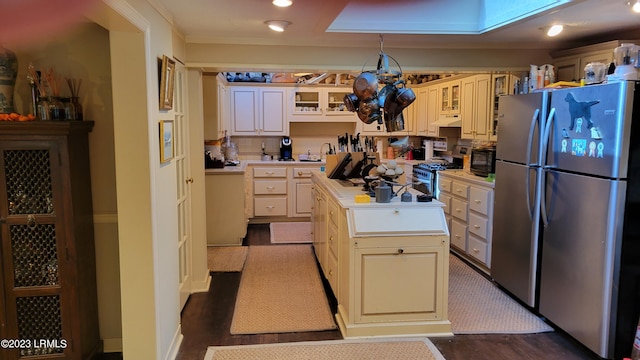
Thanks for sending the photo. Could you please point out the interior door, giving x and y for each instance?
(183, 201)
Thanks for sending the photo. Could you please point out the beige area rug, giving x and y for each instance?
(226, 258)
(290, 232)
(281, 291)
(363, 349)
(477, 306)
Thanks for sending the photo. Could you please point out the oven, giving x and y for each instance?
(424, 176)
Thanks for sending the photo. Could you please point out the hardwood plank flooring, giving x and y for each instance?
(206, 320)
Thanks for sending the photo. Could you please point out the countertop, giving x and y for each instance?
(345, 194)
(242, 166)
(462, 174)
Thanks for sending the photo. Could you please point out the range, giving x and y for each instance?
(425, 172)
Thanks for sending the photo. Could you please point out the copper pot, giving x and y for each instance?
(369, 111)
(351, 102)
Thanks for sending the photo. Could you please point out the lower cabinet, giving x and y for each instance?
(270, 191)
(469, 210)
(226, 217)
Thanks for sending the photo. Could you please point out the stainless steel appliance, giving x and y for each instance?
(483, 161)
(425, 172)
(566, 240)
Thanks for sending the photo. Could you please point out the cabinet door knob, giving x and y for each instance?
(400, 251)
(189, 180)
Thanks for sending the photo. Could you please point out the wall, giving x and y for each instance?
(83, 53)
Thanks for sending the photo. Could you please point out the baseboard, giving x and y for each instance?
(112, 345)
(175, 345)
(201, 285)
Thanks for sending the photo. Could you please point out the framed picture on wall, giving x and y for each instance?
(167, 75)
(166, 140)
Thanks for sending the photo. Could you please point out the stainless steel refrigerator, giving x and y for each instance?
(582, 269)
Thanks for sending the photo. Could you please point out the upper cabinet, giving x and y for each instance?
(258, 111)
(569, 64)
(319, 104)
(215, 106)
(450, 98)
(476, 107)
(501, 84)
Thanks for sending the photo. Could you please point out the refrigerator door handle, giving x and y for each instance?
(527, 186)
(532, 129)
(545, 167)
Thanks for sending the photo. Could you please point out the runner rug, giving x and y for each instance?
(226, 258)
(290, 232)
(478, 306)
(281, 291)
(362, 349)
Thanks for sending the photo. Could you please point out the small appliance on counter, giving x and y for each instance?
(483, 161)
(286, 149)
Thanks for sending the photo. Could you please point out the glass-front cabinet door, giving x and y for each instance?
(450, 98)
(306, 102)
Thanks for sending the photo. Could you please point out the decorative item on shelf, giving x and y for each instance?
(8, 75)
(74, 88)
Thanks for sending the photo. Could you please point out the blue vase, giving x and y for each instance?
(8, 75)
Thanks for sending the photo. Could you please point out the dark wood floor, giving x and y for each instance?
(206, 320)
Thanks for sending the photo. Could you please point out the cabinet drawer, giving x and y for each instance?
(332, 239)
(478, 249)
(460, 189)
(333, 212)
(459, 235)
(480, 200)
(479, 225)
(459, 209)
(446, 199)
(270, 206)
(270, 172)
(444, 184)
(304, 172)
(265, 187)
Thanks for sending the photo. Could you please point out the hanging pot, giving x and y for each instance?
(369, 111)
(365, 85)
(351, 102)
(405, 97)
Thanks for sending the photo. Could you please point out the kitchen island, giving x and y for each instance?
(387, 263)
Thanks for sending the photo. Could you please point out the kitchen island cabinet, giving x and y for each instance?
(387, 263)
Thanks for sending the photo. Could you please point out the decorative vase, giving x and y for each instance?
(8, 75)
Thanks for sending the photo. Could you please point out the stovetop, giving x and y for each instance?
(436, 165)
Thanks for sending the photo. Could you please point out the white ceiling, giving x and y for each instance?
(242, 22)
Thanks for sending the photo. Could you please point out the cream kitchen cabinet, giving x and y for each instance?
(426, 110)
(319, 104)
(300, 201)
(469, 210)
(387, 264)
(226, 217)
(449, 97)
(569, 64)
(215, 106)
(269, 191)
(258, 111)
(501, 84)
(476, 107)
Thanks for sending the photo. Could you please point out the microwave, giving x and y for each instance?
(483, 161)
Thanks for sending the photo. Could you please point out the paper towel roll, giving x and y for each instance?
(428, 149)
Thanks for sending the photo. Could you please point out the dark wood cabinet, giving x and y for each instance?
(48, 298)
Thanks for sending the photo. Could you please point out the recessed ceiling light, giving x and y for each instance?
(278, 25)
(282, 3)
(555, 30)
(636, 6)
